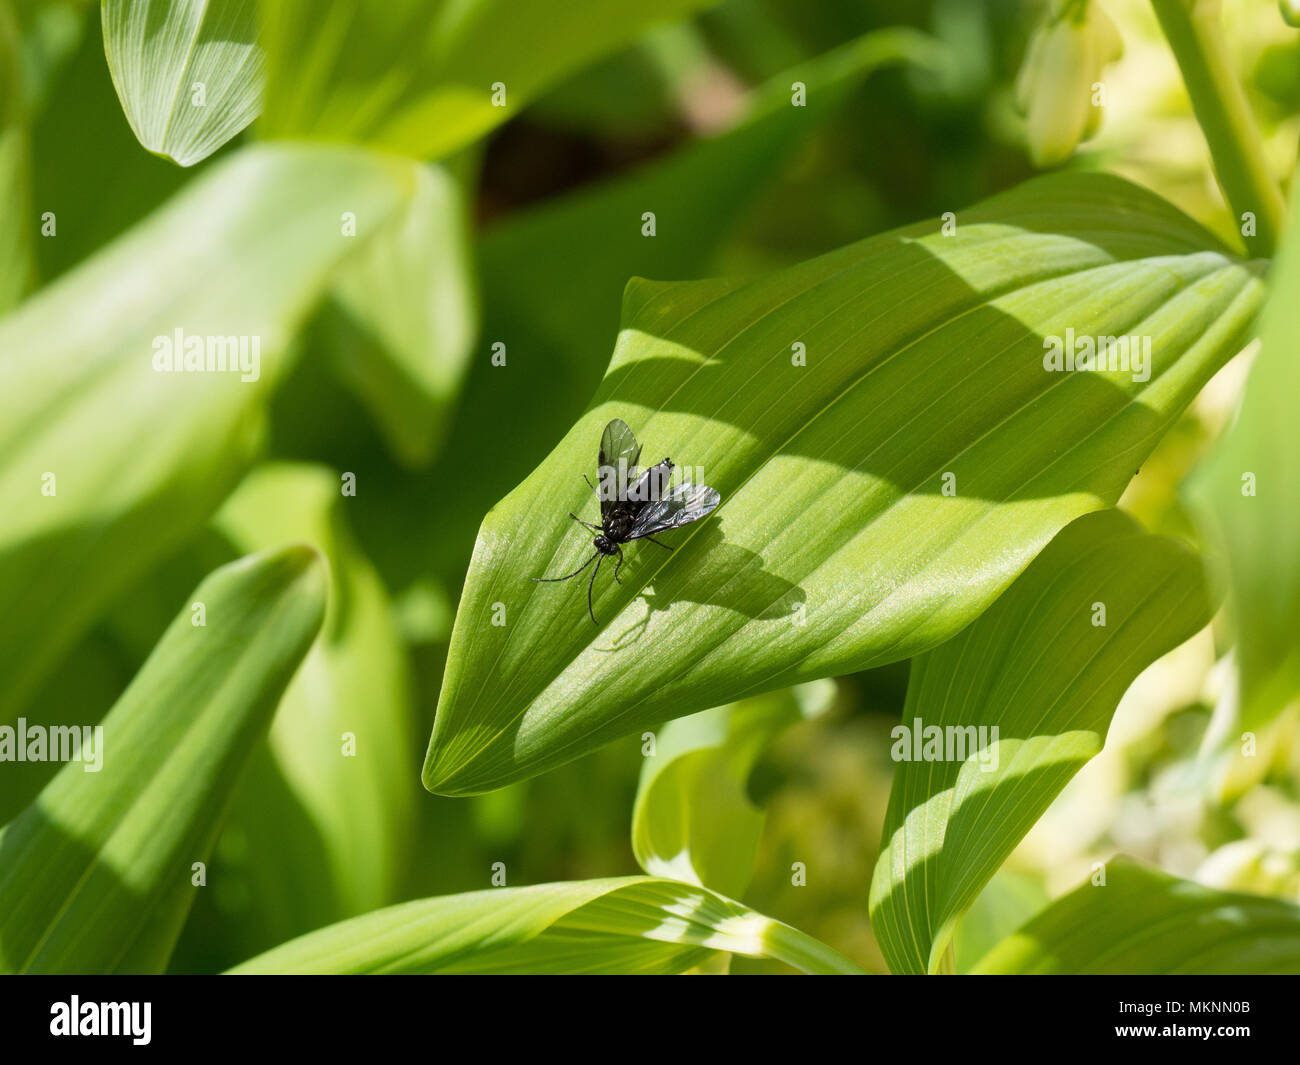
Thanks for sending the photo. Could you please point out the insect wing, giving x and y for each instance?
(651, 485)
(684, 504)
(617, 443)
(616, 464)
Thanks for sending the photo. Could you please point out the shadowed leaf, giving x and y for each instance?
(97, 874)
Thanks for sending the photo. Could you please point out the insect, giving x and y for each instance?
(635, 503)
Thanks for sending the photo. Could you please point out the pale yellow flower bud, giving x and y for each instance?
(1065, 58)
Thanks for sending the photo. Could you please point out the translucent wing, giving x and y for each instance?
(684, 504)
(616, 464)
(617, 442)
(651, 484)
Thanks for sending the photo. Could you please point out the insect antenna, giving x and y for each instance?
(574, 574)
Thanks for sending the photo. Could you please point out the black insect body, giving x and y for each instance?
(635, 503)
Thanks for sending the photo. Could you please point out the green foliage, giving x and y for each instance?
(693, 819)
(96, 873)
(427, 226)
(342, 744)
(875, 500)
(1248, 496)
(1000, 909)
(419, 76)
(15, 240)
(1217, 932)
(189, 73)
(1046, 670)
(629, 925)
(95, 498)
(553, 277)
(408, 317)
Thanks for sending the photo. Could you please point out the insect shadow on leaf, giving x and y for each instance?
(634, 503)
(737, 580)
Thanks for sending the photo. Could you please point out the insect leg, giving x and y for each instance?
(587, 524)
(620, 564)
(591, 486)
(654, 541)
(573, 574)
(589, 586)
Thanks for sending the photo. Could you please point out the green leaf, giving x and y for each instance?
(693, 820)
(874, 501)
(320, 825)
(1247, 498)
(553, 277)
(95, 876)
(76, 91)
(640, 92)
(411, 316)
(623, 925)
(188, 73)
(108, 464)
(103, 671)
(551, 280)
(1154, 924)
(16, 265)
(342, 747)
(1040, 669)
(51, 32)
(1007, 901)
(418, 77)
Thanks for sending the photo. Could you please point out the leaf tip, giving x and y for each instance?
(298, 567)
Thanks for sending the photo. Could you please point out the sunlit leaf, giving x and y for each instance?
(411, 315)
(15, 167)
(427, 77)
(693, 820)
(1248, 498)
(1145, 921)
(1045, 668)
(342, 746)
(189, 73)
(1007, 901)
(553, 276)
(109, 464)
(626, 925)
(99, 873)
(890, 450)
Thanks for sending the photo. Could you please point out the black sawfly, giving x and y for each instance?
(635, 503)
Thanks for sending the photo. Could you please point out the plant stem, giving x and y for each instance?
(1194, 30)
(807, 954)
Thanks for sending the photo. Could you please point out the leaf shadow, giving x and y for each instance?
(927, 888)
(925, 387)
(728, 576)
(40, 930)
